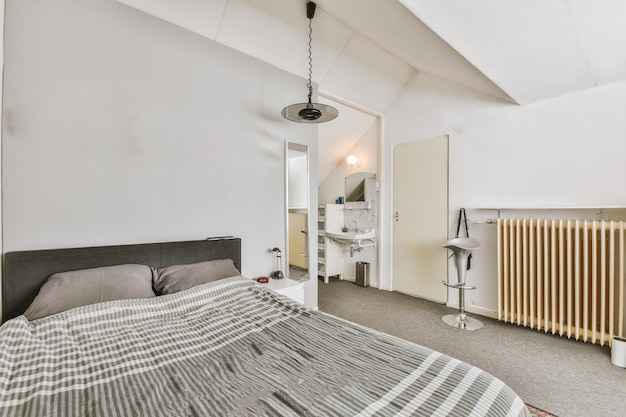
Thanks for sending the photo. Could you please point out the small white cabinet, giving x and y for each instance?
(285, 286)
(330, 257)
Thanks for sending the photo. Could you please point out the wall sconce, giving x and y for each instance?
(353, 161)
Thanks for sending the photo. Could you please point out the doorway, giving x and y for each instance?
(420, 223)
(358, 132)
(297, 224)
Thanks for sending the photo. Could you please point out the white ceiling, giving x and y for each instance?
(534, 49)
(365, 51)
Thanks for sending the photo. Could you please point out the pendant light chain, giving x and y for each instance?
(310, 112)
(309, 85)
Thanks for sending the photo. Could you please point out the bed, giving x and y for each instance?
(225, 346)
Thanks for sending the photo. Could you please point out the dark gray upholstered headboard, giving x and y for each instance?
(26, 271)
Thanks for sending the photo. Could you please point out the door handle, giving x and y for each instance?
(396, 216)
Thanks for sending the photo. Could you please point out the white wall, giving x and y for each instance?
(567, 151)
(121, 128)
(366, 150)
(1, 87)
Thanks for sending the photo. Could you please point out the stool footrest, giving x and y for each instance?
(459, 286)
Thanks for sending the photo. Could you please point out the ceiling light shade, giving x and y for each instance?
(310, 112)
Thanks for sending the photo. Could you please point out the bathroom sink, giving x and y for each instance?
(351, 235)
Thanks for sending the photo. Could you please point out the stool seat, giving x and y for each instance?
(462, 243)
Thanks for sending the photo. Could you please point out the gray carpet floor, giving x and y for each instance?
(565, 377)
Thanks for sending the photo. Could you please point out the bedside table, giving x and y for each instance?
(285, 286)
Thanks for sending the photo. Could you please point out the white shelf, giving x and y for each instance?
(330, 260)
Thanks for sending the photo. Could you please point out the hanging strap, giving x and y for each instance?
(463, 219)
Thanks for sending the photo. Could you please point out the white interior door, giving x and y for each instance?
(420, 209)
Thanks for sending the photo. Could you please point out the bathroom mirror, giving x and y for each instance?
(360, 186)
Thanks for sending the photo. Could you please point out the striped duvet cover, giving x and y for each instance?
(229, 348)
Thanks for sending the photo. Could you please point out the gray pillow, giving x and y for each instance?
(66, 290)
(171, 279)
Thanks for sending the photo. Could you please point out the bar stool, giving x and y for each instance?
(461, 247)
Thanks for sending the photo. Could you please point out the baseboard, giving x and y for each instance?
(372, 284)
(481, 311)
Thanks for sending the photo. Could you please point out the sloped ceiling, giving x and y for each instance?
(337, 138)
(534, 49)
(366, 51)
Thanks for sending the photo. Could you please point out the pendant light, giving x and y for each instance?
(310, 112)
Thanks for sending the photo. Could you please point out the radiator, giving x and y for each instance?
(565, 277)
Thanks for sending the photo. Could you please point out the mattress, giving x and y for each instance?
(230, 348)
